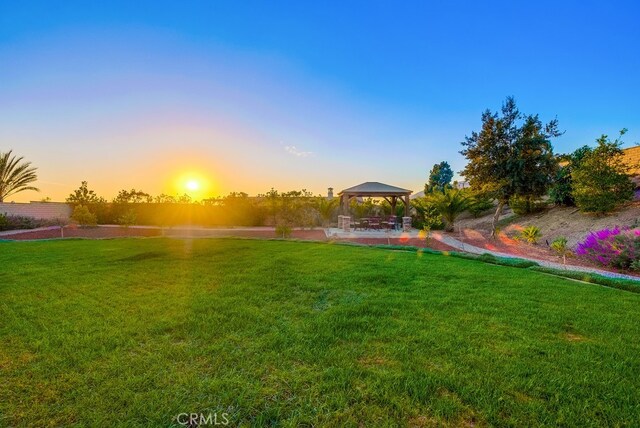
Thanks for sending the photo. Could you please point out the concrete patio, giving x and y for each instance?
(336, 233)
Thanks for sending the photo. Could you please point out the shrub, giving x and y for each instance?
(426, 233)
(522, 205)
(83, 216)
(561, 192)
(479, 203)
(530, 234)
(128, 218)
(616, 248)
(427, 214)
(18, 222)
(283, 231)
(600, 182)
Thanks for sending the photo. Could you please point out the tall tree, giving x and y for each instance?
(133, 196)
(83, 195)
(439, 177)
(600, 181)
(15, 175)
(561, 191)
(510, 156)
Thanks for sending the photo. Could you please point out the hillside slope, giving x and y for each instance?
(557, 221)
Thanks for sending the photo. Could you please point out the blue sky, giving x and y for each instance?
(253, 95)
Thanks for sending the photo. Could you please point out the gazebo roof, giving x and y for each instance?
(373, 188)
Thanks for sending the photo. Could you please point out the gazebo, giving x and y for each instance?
(374, 189)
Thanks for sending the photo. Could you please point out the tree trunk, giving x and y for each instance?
(496, 216)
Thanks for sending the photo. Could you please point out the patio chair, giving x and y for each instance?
(391, 222)
(364, 221)
(374, 223)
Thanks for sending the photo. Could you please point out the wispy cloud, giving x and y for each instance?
(293, 150)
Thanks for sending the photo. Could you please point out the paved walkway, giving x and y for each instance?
(452, 242)
(37, 229)
(333, 232)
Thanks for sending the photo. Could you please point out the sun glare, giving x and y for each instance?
(197, 185)
(192, 185)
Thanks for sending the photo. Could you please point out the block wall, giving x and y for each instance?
(38, 210)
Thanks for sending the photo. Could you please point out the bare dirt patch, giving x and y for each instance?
(573, 337)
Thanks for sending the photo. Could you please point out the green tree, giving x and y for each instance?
(479, 202)
(83, 216)
(15, 175)
(132, 196)
(83, 196)
(450, 205)
(511, 155)
(439, 178)
(164, 199)
(561, 191)
(601, 182)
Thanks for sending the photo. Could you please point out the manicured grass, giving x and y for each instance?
(136, 331)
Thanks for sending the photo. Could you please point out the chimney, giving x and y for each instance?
(330, 193)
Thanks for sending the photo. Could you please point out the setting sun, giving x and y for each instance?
(196, 184)
(192, 185)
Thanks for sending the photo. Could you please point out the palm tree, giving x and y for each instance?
(15, 175)
(326, 209)
(450, 205)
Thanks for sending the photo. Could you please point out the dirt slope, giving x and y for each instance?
(556, 222)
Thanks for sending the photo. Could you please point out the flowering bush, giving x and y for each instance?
(617, 248)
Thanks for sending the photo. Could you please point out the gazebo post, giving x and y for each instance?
(406, 206)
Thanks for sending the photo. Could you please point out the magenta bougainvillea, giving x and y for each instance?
(617, 248)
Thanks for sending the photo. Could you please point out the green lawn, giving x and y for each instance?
(134, 332)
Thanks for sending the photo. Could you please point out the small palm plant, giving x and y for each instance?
(559, 245)
(450, 205)
(15, 175)
(531, 234)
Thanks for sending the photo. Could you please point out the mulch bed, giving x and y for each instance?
(94, 233)
(516, 248)
(119, 232)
